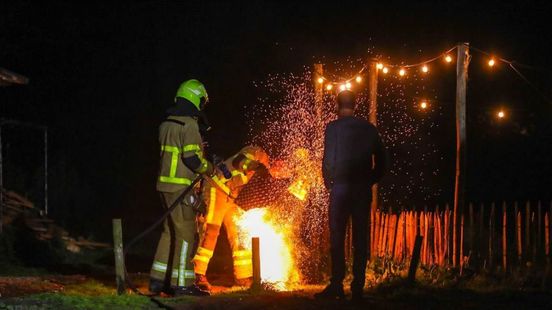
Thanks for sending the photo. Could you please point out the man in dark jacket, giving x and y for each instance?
(354, 160)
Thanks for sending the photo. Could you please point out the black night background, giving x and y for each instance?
(102, 74)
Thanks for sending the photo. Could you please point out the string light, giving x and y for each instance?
(424, 68)
(501, 114)
(423, 105)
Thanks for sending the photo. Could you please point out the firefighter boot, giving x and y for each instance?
(202, 283)
(157, 286)
(332, 291)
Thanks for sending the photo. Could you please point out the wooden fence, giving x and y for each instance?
(493, 237)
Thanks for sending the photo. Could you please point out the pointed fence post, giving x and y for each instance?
(256, 256)
(119, 257)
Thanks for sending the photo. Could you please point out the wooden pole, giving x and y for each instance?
(504, 239)
(547, 237)
(1, 183)
(415, 261)
(373, 113)
(471, 252)
(256, 257)
(491, 233)
(539, 234)
(119, 257)
(527, 232)
(463, 61)
(481, 235)
(518, 234)
(318, 90)
(45, 171)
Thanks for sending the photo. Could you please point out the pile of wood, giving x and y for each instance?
(15, 206)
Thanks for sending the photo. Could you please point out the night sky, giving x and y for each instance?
(101, 76)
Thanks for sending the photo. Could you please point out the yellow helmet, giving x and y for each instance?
(251, 157)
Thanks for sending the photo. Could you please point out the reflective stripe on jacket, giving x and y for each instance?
(177, 140)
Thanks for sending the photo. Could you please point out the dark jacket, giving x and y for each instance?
(353, 153)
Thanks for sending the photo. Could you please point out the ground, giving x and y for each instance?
(85, 292)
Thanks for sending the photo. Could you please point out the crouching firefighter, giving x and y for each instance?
(219, 194)
(181, 160)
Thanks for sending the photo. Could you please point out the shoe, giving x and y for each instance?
(157, 286)
(202, 282)
(192, 290)
(245, 282)
(331, 291)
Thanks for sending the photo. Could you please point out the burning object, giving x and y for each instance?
(276, 259)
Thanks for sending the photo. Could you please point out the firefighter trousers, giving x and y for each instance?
(172, 262)
(221, 210)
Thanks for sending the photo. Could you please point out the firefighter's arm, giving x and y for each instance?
(192, 152)
(328, 164)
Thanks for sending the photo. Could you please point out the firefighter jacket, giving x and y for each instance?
(179, 139)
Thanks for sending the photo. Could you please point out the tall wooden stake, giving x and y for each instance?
(373, 116)
(1, 183)
(463, 61)
(256, 256)
(318, 91)
(119, 257)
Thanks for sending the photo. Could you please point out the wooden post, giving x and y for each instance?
(504, 239)
(256, 257)
(471, 252)
(415, 261)
(45, 171)
(119, 257)
(481, 235)
(318, 90)
(491, 233)
(395, 235)
(463, 61)
(547, 237)
(461, 243)
(373, 113)
(518, 234)
(527, 232)
(1, 183)
(539, 234)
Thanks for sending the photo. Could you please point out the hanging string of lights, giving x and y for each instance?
(423, 67)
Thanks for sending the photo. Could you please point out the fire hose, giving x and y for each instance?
(178, 201)
(160, 220)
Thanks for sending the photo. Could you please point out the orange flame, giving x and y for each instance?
(277, 262)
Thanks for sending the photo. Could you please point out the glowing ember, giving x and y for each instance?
(277, 263)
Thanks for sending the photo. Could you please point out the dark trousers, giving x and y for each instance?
(349, 200)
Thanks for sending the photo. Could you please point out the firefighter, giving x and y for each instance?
(181, 160)
(354, 159)
(220, 193)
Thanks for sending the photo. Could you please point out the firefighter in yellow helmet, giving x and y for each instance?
(181, 160)
(220, 194)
